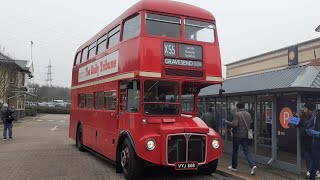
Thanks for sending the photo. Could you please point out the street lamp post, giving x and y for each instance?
(31, 44)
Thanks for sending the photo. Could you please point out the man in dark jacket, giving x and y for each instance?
(240, 124)
(313, 130)
(7, 124)
(307, 114)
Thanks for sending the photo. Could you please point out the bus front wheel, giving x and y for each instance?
(79, 141)
(130, 162)
(209, 168)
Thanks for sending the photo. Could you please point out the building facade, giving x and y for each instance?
(15, 76)
(273, 86)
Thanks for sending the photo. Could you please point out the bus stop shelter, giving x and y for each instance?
(271, 98)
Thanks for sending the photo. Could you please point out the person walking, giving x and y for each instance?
(313, 130)
(209, 119)
(307, 114)
(7, 119)
(240, 124)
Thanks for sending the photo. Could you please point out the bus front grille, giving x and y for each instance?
(186, 148)
(181, 72)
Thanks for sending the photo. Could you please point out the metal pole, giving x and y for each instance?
(255, 124)
(31, 44)
(298, 137)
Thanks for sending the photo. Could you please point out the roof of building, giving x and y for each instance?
(4, 57)
(291, 78)
(24, 65)
(274, 51)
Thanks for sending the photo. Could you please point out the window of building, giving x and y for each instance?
(92, 50)
(133, 96)
(166, 26)
(81, 100)
(131, 28)
(199, 31)
(98, 100)
(102, 44)
(84, 54)
(113, 37)
(110, 100)
(89, 101)
(12, 77)
(78, 58)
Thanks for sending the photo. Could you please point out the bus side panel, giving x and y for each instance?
(129, 55)
(73, 123)
(151, 49)
(212, 60)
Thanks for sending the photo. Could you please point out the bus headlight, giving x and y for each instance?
(150, 144)
(215, 144)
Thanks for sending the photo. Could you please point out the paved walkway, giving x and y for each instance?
(262, 173)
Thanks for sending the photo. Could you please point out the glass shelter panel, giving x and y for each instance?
(264, 126)
(286, 136)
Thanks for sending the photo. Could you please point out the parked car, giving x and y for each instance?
(59, 103)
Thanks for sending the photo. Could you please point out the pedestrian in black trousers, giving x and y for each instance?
(313, 130)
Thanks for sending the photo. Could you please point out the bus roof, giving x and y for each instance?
(164, 6)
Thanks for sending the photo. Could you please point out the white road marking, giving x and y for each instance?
(39, 120)
(51, 120)
(62, 121)
(53, 129)
(65, 117)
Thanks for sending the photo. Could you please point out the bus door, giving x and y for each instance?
(121, 115)
(129, 104)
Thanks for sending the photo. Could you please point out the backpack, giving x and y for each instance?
(10, 117)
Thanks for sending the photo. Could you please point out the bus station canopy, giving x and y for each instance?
(292, 79)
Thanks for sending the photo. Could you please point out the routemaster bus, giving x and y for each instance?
(135, 88)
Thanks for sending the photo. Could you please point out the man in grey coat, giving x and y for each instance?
(209, 119)
(240, 124)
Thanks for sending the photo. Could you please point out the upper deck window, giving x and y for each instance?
(84, 54)
(163, 25)
(92, 50)
(131, 28)
(199, 31)
(102, 44)
(78, 59)
(113, 37)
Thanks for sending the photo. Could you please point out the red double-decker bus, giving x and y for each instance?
(135, 88)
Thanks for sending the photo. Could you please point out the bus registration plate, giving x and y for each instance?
(186, 166)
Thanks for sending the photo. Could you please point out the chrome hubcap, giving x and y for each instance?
(124, 157)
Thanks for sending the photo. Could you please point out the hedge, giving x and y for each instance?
(32, 111)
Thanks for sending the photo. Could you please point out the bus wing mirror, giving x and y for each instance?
(221, 91)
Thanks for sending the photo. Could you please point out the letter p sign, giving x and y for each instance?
(285, 115)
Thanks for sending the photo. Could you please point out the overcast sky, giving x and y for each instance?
(246, 28)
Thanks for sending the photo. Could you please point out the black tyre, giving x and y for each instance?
(209, 168)
(130, 162)
(79, 141)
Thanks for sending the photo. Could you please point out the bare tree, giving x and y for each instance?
(10, 77)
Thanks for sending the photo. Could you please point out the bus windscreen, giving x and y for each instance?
(161, 97)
